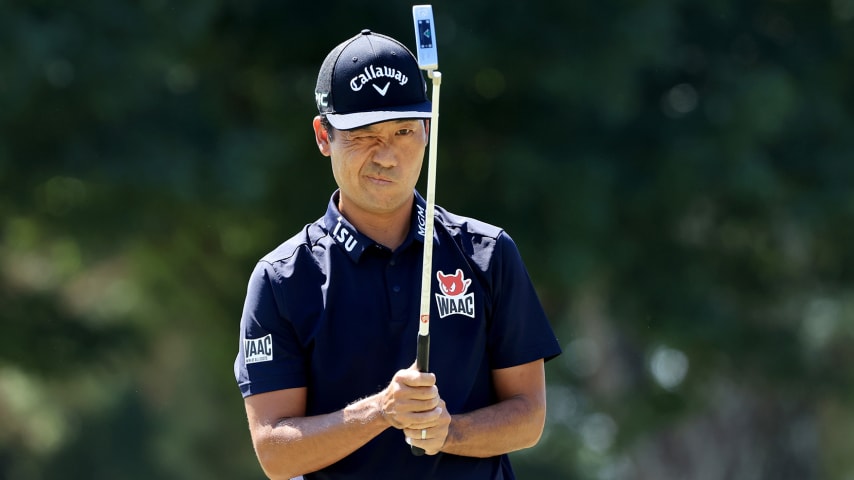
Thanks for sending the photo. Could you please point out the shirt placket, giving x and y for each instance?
(399, 291)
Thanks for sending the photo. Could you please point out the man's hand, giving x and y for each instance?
(411, 403)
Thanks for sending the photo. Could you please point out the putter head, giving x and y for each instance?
(425, 37)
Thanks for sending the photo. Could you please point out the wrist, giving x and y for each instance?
(387, 415)
(379, 405)
(455, 433)
(367, 411)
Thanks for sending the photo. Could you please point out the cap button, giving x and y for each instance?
(366, 32)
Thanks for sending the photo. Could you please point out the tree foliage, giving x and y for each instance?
(676, 173)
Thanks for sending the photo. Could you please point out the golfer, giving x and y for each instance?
(329, 325)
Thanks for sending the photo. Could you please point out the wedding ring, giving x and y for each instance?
(423, 434)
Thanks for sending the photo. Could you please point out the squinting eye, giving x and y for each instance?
(405, 131)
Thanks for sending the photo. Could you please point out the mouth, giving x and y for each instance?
(379, 180)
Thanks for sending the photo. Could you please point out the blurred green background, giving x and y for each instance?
(678, 175)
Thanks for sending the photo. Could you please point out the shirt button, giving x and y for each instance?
(396, 288)
(392, 263)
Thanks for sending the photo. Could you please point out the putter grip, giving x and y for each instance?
(422, 353)
(422, 362)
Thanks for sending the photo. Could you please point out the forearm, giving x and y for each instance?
(294, 446)
(512, 424)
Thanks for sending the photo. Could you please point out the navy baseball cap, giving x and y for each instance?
(370, 78)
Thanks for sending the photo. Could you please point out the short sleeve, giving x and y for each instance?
(270, 356)
(519, 331)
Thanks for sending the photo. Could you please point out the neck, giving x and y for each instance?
(388, 228)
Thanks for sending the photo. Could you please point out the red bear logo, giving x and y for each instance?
(453, 285)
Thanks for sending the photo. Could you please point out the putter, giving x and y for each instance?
(425, 40)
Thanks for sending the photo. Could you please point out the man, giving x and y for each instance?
(329, 326)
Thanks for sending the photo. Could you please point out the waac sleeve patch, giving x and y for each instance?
(258, 349)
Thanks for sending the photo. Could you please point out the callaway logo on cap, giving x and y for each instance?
(370, 78)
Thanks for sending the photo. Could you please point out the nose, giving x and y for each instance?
(384, 156)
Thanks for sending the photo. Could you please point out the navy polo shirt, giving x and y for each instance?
(333, 311)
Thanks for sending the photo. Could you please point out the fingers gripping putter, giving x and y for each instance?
(425, 39)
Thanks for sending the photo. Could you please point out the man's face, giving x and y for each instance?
(376, 167)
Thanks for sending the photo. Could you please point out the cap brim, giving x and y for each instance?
(348, 121)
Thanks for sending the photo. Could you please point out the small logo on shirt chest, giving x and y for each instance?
(454, 300)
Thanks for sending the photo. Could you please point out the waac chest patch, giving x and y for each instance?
(454, 300)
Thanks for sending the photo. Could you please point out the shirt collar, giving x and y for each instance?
(353, 242)
(418, 218)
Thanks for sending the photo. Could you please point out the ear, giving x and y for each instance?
(321, 137)
(426, 131)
